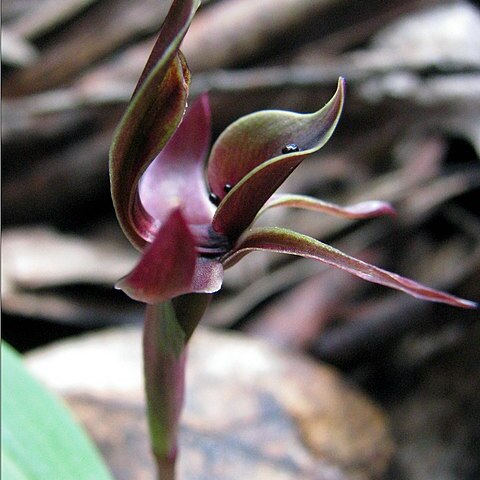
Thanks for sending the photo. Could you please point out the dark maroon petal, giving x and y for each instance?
(167, 267)
(170, 266)
(151, 118)
(286, 241)
(176, 176)
(368, 209)
(248, 156)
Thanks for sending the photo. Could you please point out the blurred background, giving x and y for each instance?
(410, 134)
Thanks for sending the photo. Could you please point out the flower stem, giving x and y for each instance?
(164, 368)
(165, 468)
(167, 329)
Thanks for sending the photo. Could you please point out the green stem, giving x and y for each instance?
(167, 329)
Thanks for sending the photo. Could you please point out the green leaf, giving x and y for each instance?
(40, 439)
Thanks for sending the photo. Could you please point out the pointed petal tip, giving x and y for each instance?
(166, 267)
(445, 298)
(461, 303)
(374, 208)
(286, 241)
(421, 291)
(340, 91)
(123, 285)
(469, 304)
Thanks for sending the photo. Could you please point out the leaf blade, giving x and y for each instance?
(40, 439)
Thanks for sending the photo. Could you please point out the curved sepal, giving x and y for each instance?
(248, 156)
(156, 109)
(286, 241)
(368, 209)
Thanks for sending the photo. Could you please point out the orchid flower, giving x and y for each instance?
(190, 231)
(191, 225)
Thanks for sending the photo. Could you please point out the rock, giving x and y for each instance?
(251, 411)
